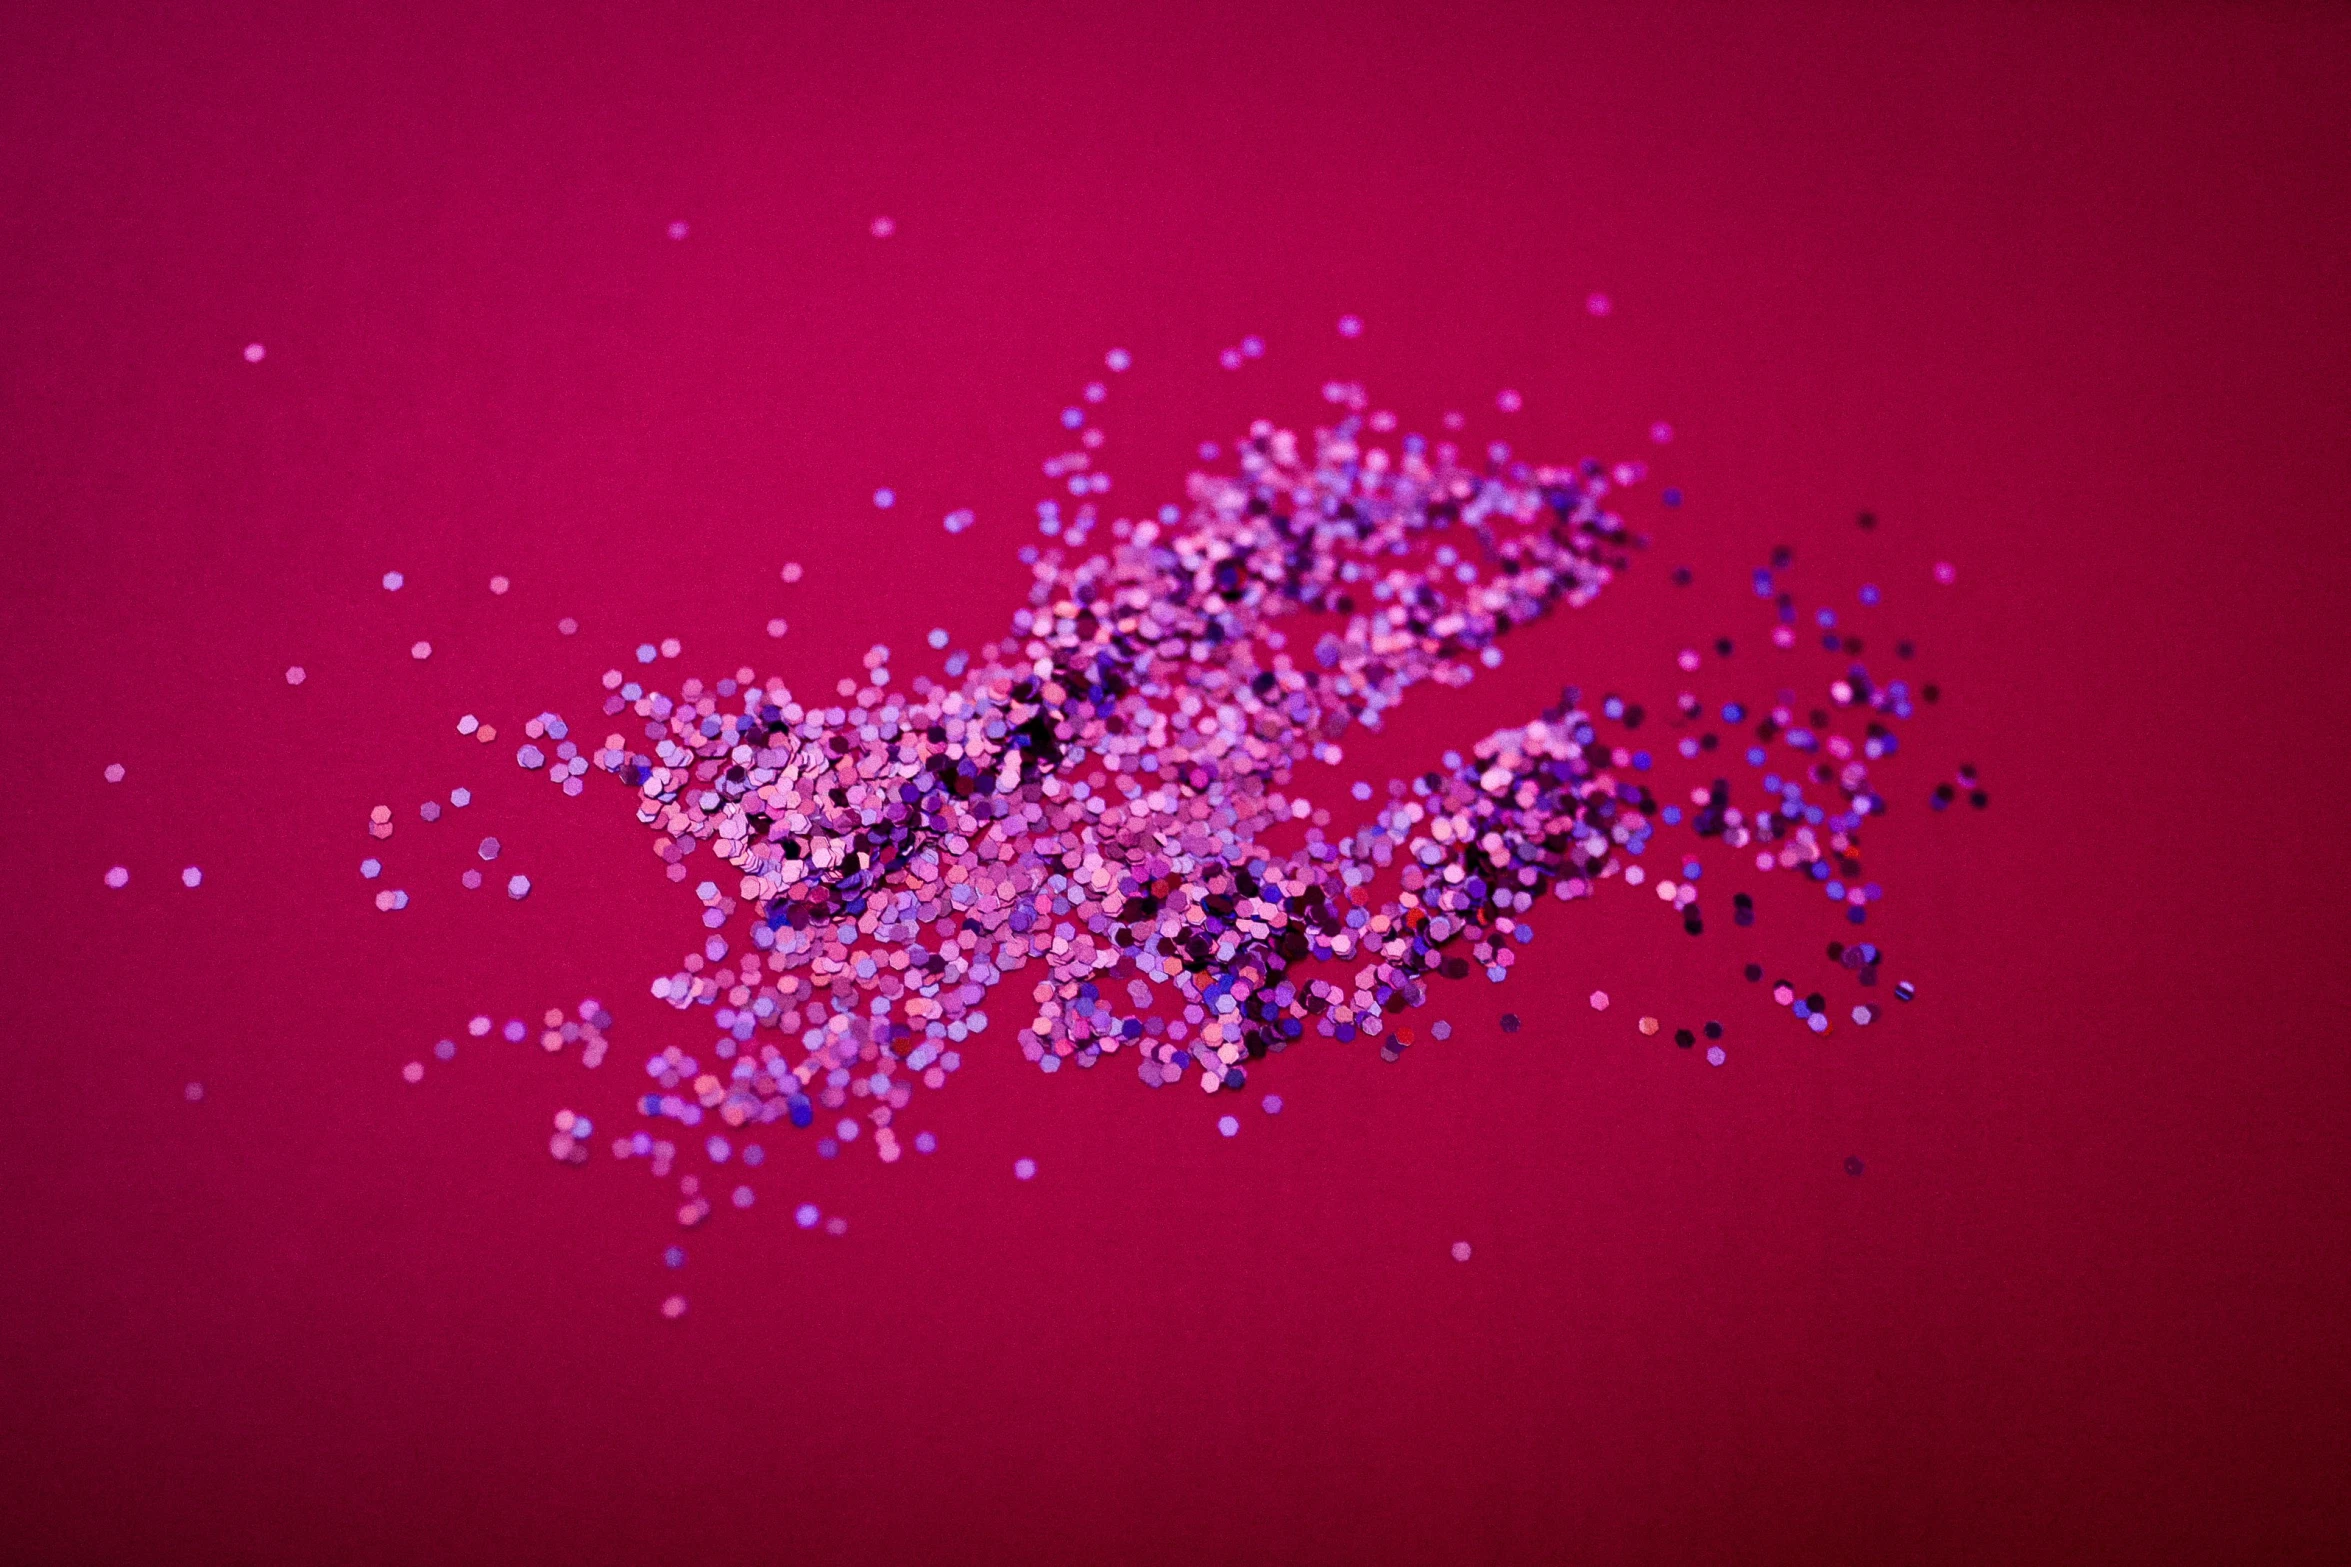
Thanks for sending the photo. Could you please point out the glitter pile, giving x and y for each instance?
(1098, 795)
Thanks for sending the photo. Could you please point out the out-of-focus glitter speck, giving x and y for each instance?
(671, 647)
(678, 230)
(195, 1093)
(883, 228)
(791, 572)
(884, 499)
(446, 1050)
(1118, 359)
(1461, 1251)
(518, 887)
(1441, 1029)
(1599, 1000)
(1853, 1165)
(120, 876)
(1599, 304)
(924, 1142)
(777, 627)
(958, 520)
(674, 1257)
(1648, 1025)
(413, 1071)
(1904, 990)
(1509, 1022)
(430, 810)
(1946, 573)
(114, 772)
(806, 1216)
(499, 584)
(1228, 1126)
(371, 869)
(1350, 326)
(1714, 1055)
(394, 582)
(255, 353)
(489, 849)
(674, 1307)
(192, 877)
(836, 1225)
(568, 626)
(1024, 1169)
(470, 880)
(1273, 1104)
(938, 637)
(1509, 401)
(296, 674)
(1661, 432)
(422, 650)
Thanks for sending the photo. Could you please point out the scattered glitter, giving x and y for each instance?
(1599, 304)
(957, 521)
(567, 626)
(777, 627)
(1461, 1252)
(255, 353)
(195, 1093)
(394, 581)
(1097, 817)
(114, 772)
(885, 499)
(1946, 573)
(518, 887)
(883, 228)
(192, 877)
(678, 230)
(413, 1072)
(296, 674)
(470, 880)
(421, 650)
(499, 584)
(674, 1307)
(1350, 326)
(1661, 432)
(1853, 1166)
(1508, 401)
(120, 876)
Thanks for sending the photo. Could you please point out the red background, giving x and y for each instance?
(2058, 292)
